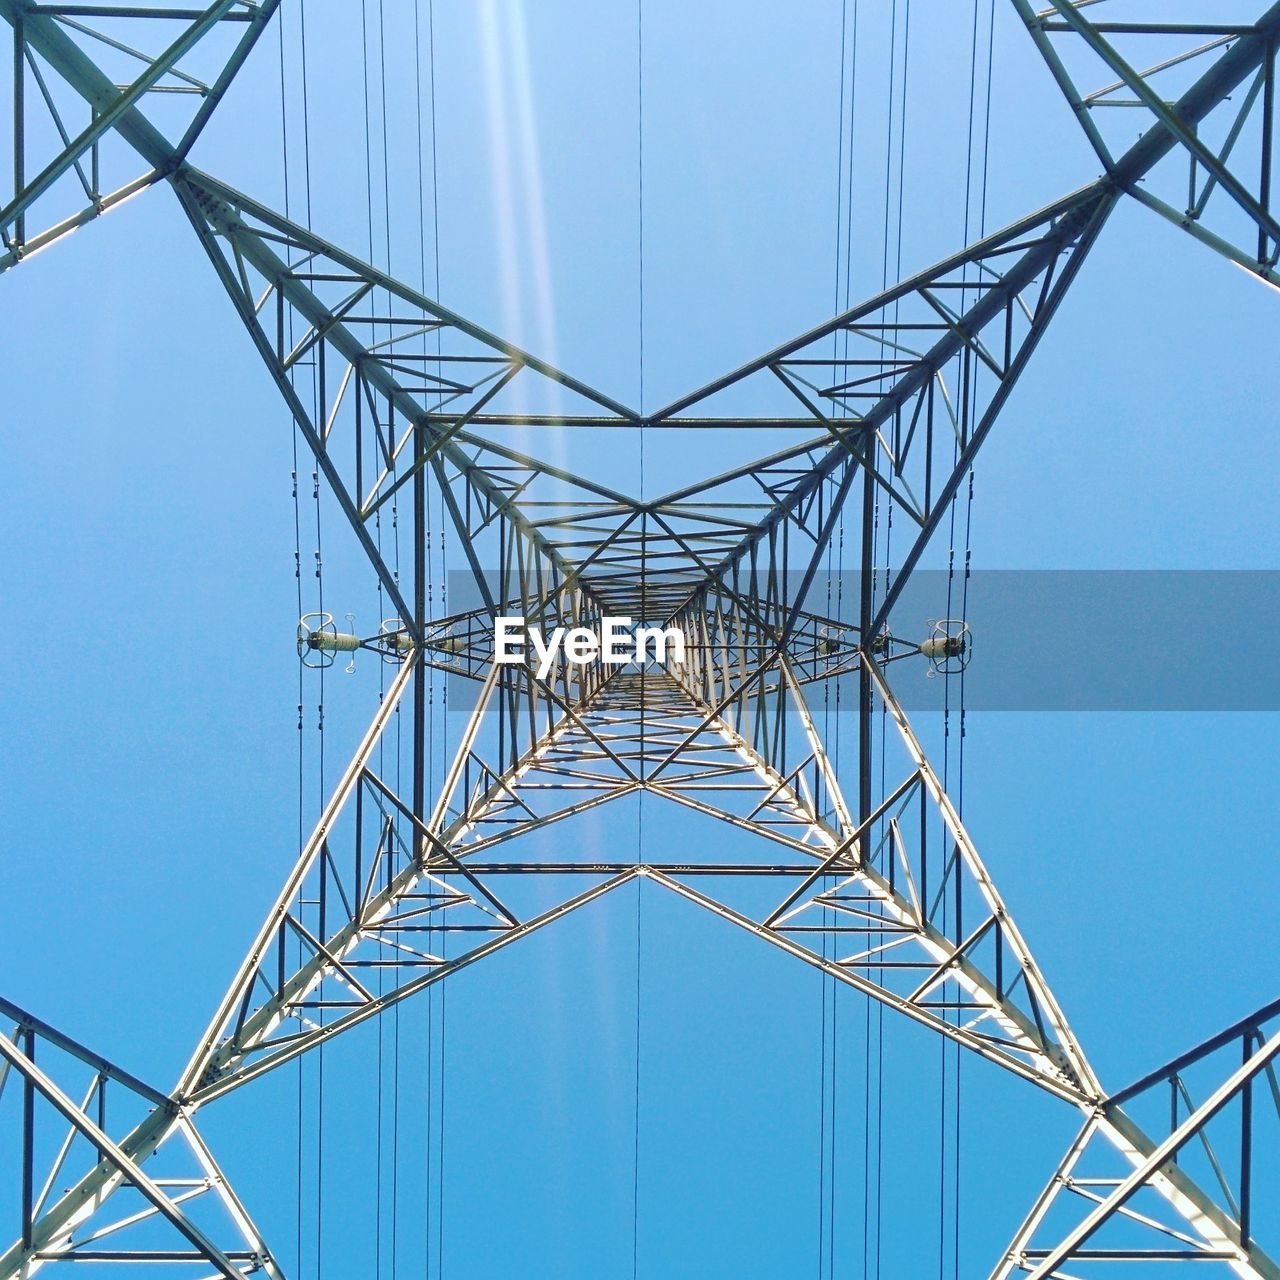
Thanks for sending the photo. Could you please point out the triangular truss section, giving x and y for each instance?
(584, 529)
(903, 909)
(107, 99)
(744, 760)
(752, 758)
(1194, 1184)
(403, 402)
(383, 901)
(539, 748)
(61, 1103)
(696, 531)
(725, 730)
(905, 387)
(737, 737)
(388, 388)
(1202, 94)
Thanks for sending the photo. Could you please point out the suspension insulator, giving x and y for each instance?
(938, 648)
(393, 641)
(319, 640)
(335, 642)
(948, 646)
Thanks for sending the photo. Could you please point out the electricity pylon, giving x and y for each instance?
(400, 399)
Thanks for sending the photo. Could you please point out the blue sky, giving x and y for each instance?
(151, 808)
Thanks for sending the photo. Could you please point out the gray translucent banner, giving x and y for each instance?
(1076, 640)
(1102, 640)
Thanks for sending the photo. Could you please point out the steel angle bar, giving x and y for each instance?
(1068, 204)
(1176, 124)
(1155, 1168)
(115, 109)
(103, 1066)
(212, 215)
(851, 843)
(1057, 1021)
(1223, 1038)
(1081, 213)
(200, 1060)
(981, 1045)
(309, 1040)
(124, 1167)
(1055, 1056)
(951, 486)
(406, 293)
(346, 501)
(219, 1062)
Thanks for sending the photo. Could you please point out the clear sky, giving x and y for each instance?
(151, 806)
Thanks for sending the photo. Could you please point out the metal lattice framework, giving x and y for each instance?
(882, 889)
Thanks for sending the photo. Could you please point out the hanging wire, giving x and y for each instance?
(305, 392)
(437, 935)
(977, 167)
(892, 219)
(873, 1028)
(964, 598)
(294, 66)
(640, 211)
(301, 609)
(433, 1216)
(444, 951)
(319, 571)
(635, 1156)
(443, 988)
(311, 391)
(828, 1028)
(398, 719)
(639, 959)
(379, 1197)
(428, 552)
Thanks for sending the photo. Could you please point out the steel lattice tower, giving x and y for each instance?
(404, 398)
